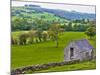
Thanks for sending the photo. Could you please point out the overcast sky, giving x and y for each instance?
(78, 8)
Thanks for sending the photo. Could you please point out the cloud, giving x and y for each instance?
(68, 7)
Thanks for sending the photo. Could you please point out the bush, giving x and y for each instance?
(14, 41)
(44, 35)
(23, 38)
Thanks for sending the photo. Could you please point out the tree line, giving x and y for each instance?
(20, 24)
(53, 33)
(36, 36)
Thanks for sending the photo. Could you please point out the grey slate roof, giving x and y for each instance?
(83, 44)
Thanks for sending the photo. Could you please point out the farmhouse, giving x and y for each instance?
(78, 50)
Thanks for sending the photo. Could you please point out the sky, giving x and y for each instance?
(67, 7)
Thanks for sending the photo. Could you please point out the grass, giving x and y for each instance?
(46, 52)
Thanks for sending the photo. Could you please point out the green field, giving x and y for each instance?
(46, 52)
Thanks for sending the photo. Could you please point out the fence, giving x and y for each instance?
(33, 68)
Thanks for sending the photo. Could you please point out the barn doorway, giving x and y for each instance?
(71, 52)
(87, 54)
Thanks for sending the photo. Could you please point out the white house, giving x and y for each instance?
(80, 49)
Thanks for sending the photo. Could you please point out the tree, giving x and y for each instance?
(75, 27)
(54, 32)
(19, 23)
(38, 34)
(69, 27)
(23, 38)
(92, 23)
(44, 35)
(13, 40)
(31, 34)
(91, 32)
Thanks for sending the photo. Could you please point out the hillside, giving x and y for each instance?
(33, 13)
(35, 17)
(70, 15)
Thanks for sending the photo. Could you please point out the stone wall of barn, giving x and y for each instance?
(78, 54)
(84, 56)
(67, 52)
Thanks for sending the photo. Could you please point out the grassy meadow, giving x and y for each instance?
(46, 52)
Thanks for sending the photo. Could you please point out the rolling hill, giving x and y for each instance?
(70, 15)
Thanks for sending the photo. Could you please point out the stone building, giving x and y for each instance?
(80, 49)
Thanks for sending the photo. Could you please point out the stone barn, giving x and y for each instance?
(80, 49)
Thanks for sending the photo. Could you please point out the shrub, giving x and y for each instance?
(14, 41)
(23, 38)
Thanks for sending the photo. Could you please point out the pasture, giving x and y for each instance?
(46, 52)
